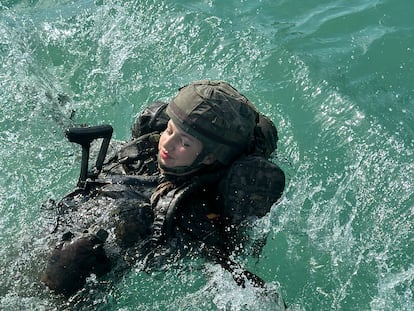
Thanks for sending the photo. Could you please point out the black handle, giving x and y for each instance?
(84, 136)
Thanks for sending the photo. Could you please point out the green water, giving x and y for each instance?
(335, 76)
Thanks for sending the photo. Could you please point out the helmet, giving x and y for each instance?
(218, 115)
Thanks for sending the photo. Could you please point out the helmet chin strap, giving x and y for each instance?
(183, 170)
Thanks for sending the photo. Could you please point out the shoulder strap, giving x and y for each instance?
(165, 208)
(166, 200)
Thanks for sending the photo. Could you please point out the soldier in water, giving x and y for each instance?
(194, 171)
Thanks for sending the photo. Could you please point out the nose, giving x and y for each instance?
(170, 142)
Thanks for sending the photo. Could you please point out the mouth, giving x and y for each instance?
(164, 155)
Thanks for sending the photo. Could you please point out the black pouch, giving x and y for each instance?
(152, 119)
(250, 188)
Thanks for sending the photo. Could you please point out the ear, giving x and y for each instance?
(209, 159)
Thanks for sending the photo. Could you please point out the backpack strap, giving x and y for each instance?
(168, 197)
(164, 210)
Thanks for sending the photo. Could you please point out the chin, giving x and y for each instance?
(167, 164)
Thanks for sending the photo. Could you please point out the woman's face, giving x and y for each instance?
(177, 148)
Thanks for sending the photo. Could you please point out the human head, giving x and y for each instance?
(178, 149)
(216, 114)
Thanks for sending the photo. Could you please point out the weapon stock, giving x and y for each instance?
(84, 137)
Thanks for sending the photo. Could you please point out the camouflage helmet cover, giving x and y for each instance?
(218, 115)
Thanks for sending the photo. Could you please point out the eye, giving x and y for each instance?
(185, 144)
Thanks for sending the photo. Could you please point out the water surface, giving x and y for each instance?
(335, 77)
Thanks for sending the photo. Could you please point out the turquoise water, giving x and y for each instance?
(335, 76)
